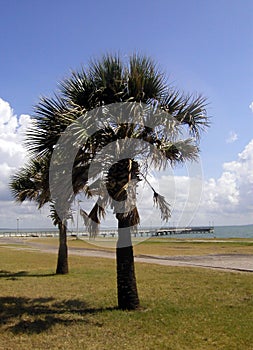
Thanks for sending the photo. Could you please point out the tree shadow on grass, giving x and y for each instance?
(15, 275)
(36, 315)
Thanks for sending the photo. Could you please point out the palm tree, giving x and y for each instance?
(83, 111)
(117, 182)
(31, 183)
(111, 81)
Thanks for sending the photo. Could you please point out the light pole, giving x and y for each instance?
(17, 225)
(77, 217)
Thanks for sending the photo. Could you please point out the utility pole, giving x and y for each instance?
(17, 225)
(77, 217)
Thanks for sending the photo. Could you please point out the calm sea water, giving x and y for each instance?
(234, 231)
(244, 231)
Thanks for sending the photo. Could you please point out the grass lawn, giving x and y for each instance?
(182, 308)
(170, 247)
(164, 246)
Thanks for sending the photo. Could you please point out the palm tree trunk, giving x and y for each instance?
(127, 289)
(62, 263)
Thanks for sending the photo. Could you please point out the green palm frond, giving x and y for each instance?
(56, 219)
(189, 111)
(79, 90)
(108, 78)
(31, 182)
(145, 81)
(171, 101)
(180, 151)
(49, 122)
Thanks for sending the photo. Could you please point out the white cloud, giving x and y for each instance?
(226, 200)
(231, 196)
(251, 106)
(183, 193)
(12, 156)
(232, 137)
(12, 129)
(6, 112)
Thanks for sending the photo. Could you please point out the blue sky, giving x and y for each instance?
(203, 46)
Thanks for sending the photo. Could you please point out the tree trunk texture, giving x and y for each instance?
(62, 263)
(126, 282)
(120, 174)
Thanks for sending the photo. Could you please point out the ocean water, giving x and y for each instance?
(238, 231)
(245, 231)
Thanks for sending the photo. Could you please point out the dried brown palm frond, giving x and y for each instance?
(131, 218)
(92, 220)
(134, 218)
(84, 216)
(160, 202)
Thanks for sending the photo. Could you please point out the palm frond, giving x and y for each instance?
(191, 112)
(107, 75)
(180, 151)
(79, 90)
(145, 81)
(160, 202)
(131, 217)
(48, 124)
(54, 215)
(31, 182)
(56, 218)
(92, 220)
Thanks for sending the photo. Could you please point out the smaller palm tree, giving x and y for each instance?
(32, 183)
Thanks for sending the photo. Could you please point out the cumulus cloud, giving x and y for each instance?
(12, 156)
(12, 129)
(231, 195)
(251, 106)
(195, 201)
(232, 137)
(12, 152)
(182, 192)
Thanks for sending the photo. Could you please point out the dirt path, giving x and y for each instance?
(227, 262)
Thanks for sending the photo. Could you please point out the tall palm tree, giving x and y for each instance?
(78, 110)
(108, 81)
(117, 182)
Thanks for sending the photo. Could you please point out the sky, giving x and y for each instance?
(202, 46)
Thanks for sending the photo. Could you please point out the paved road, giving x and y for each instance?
(225, 262)
(228, 262)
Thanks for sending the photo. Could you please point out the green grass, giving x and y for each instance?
(182, 308)
(167, 246)
(190, 247)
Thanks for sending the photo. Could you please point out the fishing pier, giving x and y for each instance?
(182, 230)
(141, 232)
